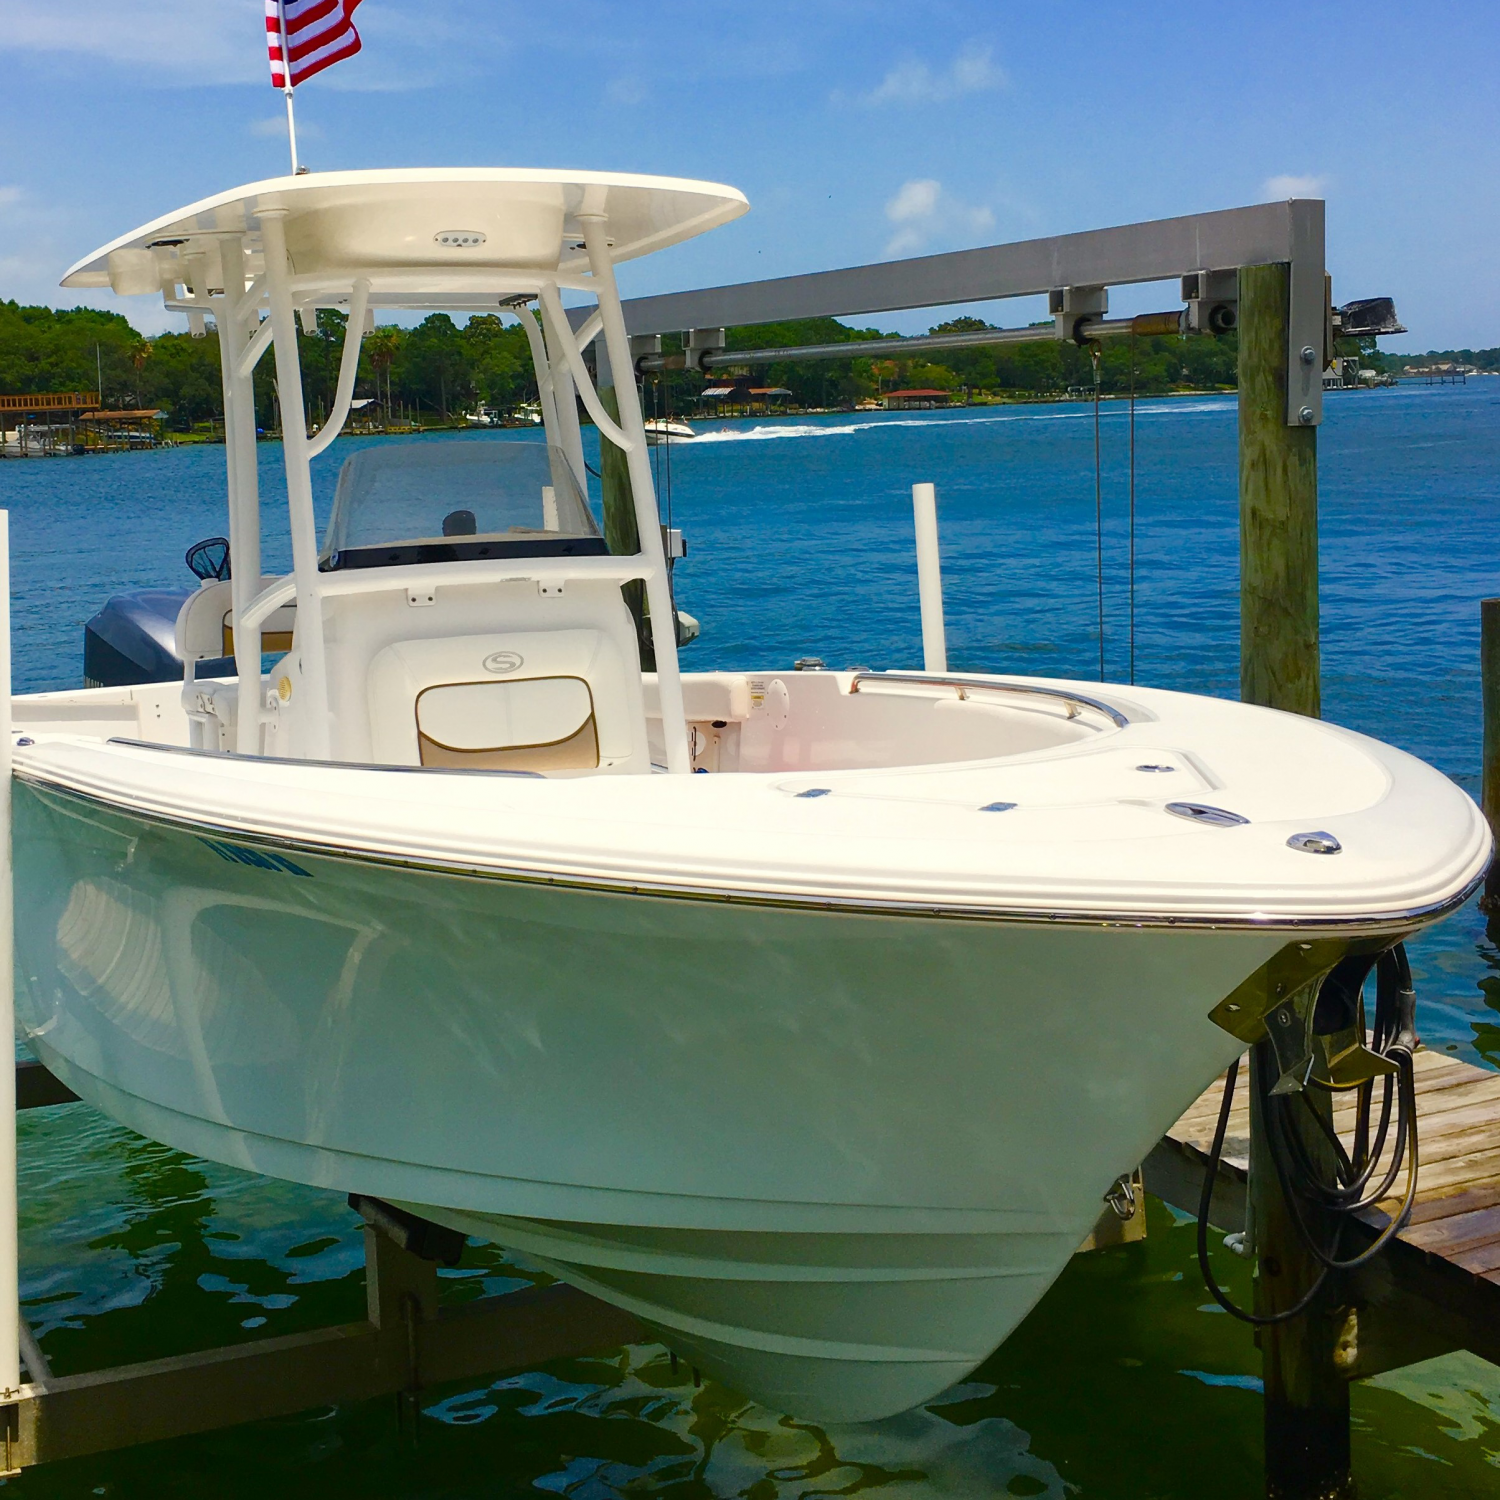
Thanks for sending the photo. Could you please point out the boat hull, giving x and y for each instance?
(833, 1156)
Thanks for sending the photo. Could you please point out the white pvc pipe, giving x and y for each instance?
(310, 651)
(10, 1271)
(643, 491)
(929, 579)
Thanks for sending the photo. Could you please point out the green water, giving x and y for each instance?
(1124, 1382)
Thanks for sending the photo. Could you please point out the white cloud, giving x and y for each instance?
(922, 212)
(214, 42)
(201, 41)
(1288, 185)
(917, 200)
(913, 81)
(9, 195)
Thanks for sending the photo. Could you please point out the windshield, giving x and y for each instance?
(443, 499)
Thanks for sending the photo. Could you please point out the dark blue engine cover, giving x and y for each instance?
(131, 639)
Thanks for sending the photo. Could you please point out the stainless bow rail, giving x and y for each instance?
(1076, 702)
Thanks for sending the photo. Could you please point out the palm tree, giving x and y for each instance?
(138, 353)
(382, 346)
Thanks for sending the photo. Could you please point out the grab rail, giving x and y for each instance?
(1074, 701)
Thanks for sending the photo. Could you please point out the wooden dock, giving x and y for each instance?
(1436, 1287)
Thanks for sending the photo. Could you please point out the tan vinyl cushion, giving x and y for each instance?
(519, 724)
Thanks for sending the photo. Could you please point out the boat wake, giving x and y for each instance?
(773, 433)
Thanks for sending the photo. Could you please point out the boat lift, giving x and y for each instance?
(1259, 269)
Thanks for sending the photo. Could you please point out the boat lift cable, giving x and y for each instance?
(1132, 507)
(1098, 511)
(1307, 1187)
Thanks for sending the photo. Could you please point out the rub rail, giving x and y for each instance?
(1076, 702)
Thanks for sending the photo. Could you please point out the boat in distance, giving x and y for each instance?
(808, 1015)
(661, 430)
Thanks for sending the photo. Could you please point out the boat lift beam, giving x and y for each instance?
(1288, 233)
(1085, 330)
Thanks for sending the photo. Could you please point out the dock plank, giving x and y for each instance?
(1439, 1280)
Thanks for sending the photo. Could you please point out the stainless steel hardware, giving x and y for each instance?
(963, 686)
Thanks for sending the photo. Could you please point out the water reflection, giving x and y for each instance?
(709, 1441)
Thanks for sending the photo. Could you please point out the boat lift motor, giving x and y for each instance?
(1370, 317)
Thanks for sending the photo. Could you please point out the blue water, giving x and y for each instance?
(1122, 1382)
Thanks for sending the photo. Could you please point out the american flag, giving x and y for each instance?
(319, 33)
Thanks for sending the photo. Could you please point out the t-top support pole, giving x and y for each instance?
(10, 1272)
(309, 637)
(658, 589)
(240, 458)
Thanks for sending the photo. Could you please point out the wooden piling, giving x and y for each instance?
(1489, 676)
(1278, 509)
(1306, 1419)
(1306, 1396)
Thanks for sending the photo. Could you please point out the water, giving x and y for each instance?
(1125, 1381)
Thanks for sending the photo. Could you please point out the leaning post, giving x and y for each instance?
(1306, 1396)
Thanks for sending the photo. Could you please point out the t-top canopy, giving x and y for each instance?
(441, 229)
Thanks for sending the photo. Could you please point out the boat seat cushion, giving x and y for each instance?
(205, 628)
(521, 724)
(556, 702)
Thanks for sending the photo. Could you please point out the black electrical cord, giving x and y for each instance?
(1304, 1183)
(1205, 1205)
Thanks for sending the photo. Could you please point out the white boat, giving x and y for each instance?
(667, 430)
(485, 416)
(821, 1062)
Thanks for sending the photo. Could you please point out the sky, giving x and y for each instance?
(859, 130)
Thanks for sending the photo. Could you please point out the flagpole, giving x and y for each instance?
(286, 84)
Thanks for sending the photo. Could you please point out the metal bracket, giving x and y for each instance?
(1318, 1033)
(701, 341)
(643, 346)
(1070, 305)
(1307, 320)
(1212, 299)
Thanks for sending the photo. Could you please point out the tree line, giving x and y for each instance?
(439, 370)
